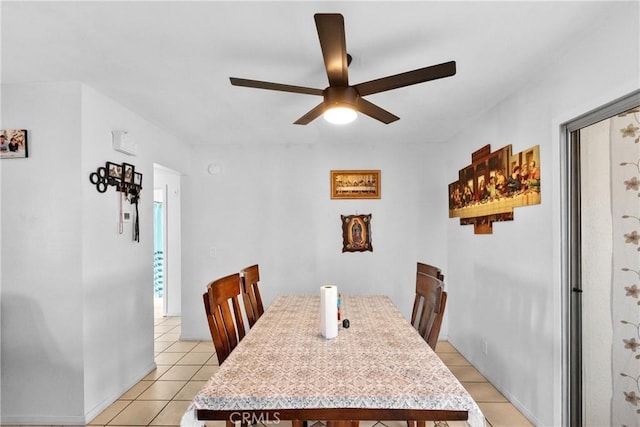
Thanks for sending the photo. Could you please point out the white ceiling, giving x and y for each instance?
(170, 61)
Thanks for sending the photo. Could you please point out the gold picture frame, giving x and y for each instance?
(355, 184)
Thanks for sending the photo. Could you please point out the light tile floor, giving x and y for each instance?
(161, 398)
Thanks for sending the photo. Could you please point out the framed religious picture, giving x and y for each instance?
(13, 144)
(493, 185)
(355, 184)
(356, 233)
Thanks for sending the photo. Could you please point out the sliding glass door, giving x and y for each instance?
(603, 318)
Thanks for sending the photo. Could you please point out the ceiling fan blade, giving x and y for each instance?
(274, 86)
(375, 112)
(334, 48)
(311, 115)
(406, 79)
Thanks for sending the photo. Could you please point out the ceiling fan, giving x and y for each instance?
(339, 96)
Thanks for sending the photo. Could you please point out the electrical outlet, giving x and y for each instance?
(213, 252)
(485, 347)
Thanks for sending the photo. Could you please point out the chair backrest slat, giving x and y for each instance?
(224, 316)
(218, 342)
(432, 338)
(250, 277)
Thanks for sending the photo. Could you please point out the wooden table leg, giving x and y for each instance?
(298, 423)
(343, 423)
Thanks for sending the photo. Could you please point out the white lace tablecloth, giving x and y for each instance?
(379, 362)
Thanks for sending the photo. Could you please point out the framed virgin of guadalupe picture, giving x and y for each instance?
(356, 233)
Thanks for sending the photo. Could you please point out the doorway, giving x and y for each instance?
(601, 372)
(159, 242)
(167, 240)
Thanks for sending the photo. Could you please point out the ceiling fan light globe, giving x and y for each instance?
(340, 115)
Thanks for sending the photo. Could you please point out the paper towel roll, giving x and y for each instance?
(329, 311)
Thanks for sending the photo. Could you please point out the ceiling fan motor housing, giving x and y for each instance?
(336, 96)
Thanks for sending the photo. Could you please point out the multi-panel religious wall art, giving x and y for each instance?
(493, 184)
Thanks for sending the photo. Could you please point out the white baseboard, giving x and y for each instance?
(194, 338)
(94, 412)
(75, 420)
(48, 421)
(510, 397)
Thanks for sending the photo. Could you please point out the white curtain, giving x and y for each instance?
(625, 297)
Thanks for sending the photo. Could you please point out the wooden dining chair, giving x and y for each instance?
(428, 307)
(431, 270)
(250, 277)
(222, 306)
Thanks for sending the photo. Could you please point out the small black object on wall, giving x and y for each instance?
(125, 179)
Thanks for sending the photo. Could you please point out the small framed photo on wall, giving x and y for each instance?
(114, 171)
(127, 173)
(13, 144)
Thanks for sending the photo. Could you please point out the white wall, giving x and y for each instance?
(270, 204)
(118, 272)
(77, 296)
(42, 316)
(505, 288)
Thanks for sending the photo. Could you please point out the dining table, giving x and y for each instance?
(379, 368)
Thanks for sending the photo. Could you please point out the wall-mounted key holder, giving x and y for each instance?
(125, 179)
(121, 176)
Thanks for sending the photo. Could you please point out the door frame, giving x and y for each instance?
(571, 252)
